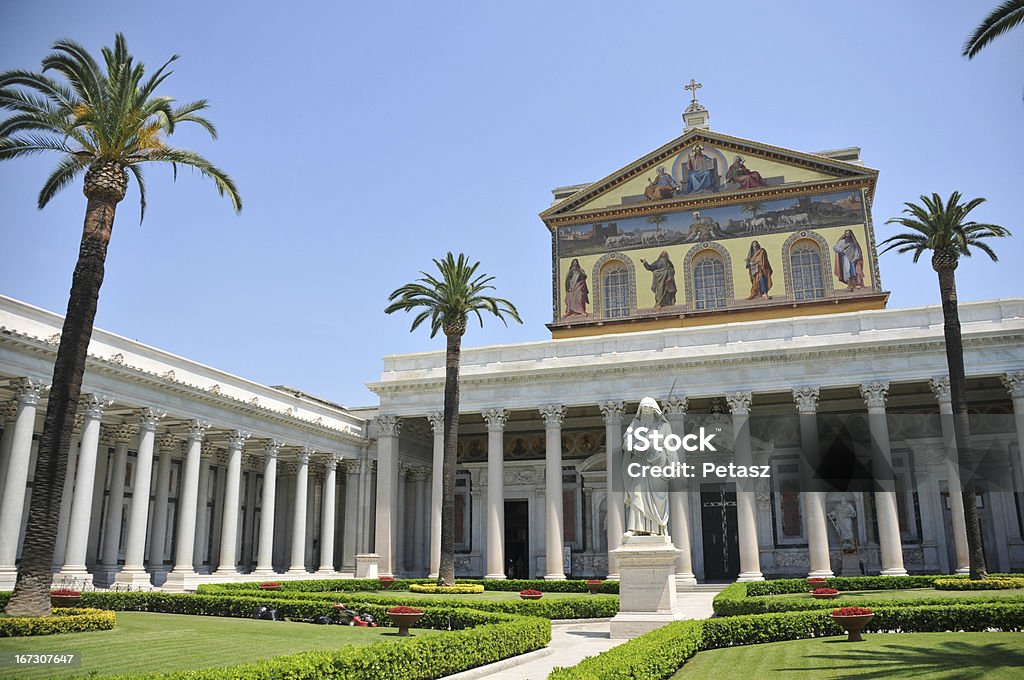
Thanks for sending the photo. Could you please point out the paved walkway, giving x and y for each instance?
(573, 641)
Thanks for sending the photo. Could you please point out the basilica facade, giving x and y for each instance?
(735, 282)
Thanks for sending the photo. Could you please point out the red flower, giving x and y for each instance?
(530, 591)
(852, 611)
(271, 584)
(816, 579)
(64, 592)
(594, 582)
(825, 591)
(387, 578)
(404, 610)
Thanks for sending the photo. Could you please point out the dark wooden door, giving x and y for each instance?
(517, 539)
(718, 526)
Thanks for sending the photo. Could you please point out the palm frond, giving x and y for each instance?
(67, 169)
(137, 173)
(1002, 19)
(225, 185)
(942, 225)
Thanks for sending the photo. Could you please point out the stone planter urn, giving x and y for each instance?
(594, 586)
(825, 596)
(853, 624)
(403, 618)
(386, 582)
(65, 598)
(531, 594)
(270, 586)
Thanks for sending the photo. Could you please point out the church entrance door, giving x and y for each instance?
(517, 539)
(718, 526)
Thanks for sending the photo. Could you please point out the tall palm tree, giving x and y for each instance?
(944, 229)
(1002, 19)
(448, 302)
(754, 207)
(105, 122)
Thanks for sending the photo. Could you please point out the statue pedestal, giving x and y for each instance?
(366, 565)
(647, 585)
(851, 563)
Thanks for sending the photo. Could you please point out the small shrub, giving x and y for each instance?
(74, 620)
(457, 589)
(988, 584)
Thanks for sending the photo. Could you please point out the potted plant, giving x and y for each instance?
(594, 585)
(530, 594)
(853, 620)
(816, 580)
(403, 617)
(271, 585)
(386, 582)
(64, 597)
(824, 593)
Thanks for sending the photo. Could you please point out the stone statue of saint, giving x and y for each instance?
(646, 495)
(842, 520)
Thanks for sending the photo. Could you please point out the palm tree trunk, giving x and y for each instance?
(961, 423)
(453, 356)
(31, 595)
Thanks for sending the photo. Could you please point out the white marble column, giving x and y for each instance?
(351, 518)
(553, 415)
(495, 418)
(436, 479)
(388, 429)
(1014, 384)
(134, 571)
(940, 387)
(265, 556)
(68, 492)
(16, 482)
(328, 511)
(874, 394)
(616, 505)
(204, 518)
(674, 409)
(8, 416)
(401, 512)
(232, 506)
(746, 497)
(123, 434)
(298, 554)
(419, 477)
(185, 534)
(168, 445)
(815, 519)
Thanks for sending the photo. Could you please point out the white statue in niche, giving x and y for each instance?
(646, 496)
(842, 517)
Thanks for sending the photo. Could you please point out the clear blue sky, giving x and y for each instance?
(368, 138)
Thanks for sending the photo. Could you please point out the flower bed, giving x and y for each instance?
(270, 585)
(825, 593)
(660, 653)
(60, 621)
(457, 589)
(531, 594)
(988, 584)
(64, 597)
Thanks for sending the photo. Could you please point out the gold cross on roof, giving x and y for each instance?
(693, 87)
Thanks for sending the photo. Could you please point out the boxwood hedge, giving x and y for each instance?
(340, 585)
(988, 584)
(660, 653)
(63, 620)
(735, 600)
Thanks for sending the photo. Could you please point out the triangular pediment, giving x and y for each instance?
(702, 165)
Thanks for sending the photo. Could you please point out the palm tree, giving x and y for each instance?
(1003, 18)
(105, 122)
(753, 208)
(448, 302)
(943, 229)
(657, 220)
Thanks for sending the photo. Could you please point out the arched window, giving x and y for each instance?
(805, 265)
(709, 289)
(615, 290)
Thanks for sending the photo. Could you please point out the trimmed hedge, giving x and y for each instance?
(566, 608)
(735, 600)
(340, 585)
(457, 589)
(786, 586)
(63, 620)
(988, 584)
(660, 653)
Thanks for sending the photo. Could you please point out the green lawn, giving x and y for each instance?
(487, 596)
(144, 642)
(854, 596)
(949, 656)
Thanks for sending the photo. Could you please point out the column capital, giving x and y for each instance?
(350, 466)
(496, 418)
(553, 415)
(95, 404)
(79, 422)
(388, 426)
(675, 406)
(168, 442)
(418, 474)
(739, 402)
(196, 430)
(612, 411)
(874, 393)
(236, 440)
(208, 451)
(330, 464)
(271, 447)
(403, 469)
(148, 418)
(123, 433)
(436, 422)
(940, 387)
(1013, 381)
(8, 410)
(806, 399)
(303, 454)
(29, 390)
